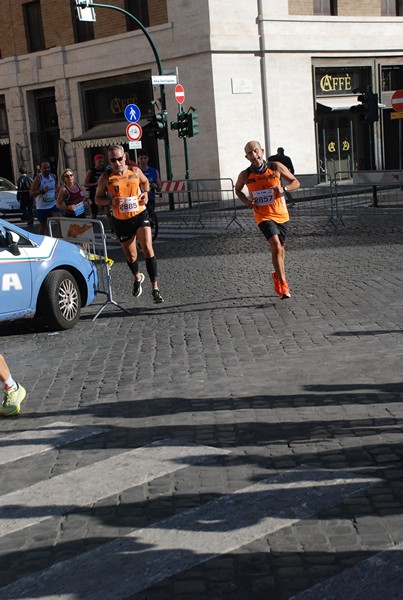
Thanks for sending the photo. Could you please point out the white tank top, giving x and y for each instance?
(46, 200)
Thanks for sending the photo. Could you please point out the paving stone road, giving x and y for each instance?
(282, 421)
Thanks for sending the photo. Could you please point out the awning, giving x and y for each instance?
(105, 134)
(332, 103)
(4, 140)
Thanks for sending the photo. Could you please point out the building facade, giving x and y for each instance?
(284, 72)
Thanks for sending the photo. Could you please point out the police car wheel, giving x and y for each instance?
(60, 300)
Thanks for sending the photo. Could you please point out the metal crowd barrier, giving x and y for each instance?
(368, 193)
(198, 202)
(315, 198)
(90, 234)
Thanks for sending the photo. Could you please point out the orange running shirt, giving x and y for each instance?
(125, 186)
(269, 205)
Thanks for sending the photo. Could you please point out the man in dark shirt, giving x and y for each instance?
(283, 159)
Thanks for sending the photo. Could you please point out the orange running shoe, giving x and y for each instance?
(277, 283)
(285, 290)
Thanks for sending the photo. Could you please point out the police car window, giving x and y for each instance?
(22, 240)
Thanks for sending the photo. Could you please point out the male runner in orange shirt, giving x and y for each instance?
(266, 198)
(127, 187)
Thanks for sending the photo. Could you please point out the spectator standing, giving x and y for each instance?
(70, 197)
(283, 159)
(43, 189)
(266, 198)
(14, 393)
(24, 197)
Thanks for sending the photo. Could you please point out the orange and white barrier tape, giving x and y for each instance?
(174, 186)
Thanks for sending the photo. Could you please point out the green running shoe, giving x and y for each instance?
(12, 400)
(157, 296)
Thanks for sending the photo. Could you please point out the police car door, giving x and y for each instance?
(15, 273)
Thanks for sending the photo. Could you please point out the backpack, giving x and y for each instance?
(24, 182)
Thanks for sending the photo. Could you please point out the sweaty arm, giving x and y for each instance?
(34, 191)
(240, 184)
(157, 185)
(60, 198)
(143, 187)
(292, 181)
(102, 188)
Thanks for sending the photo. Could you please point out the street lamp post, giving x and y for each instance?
(90, 4)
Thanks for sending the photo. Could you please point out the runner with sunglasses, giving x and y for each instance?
(128, 190)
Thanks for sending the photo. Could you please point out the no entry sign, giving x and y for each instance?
(397, 100)
(179, 94)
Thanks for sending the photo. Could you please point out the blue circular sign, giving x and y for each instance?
(132, 113)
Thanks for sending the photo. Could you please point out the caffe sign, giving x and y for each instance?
(333, 81)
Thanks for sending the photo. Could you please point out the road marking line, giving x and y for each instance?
(86, 485)
(380, 576)
(47, 437)
(147, 556)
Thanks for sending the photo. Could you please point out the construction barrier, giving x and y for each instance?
(90, 235)
(198, 203)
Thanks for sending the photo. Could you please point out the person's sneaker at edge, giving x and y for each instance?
(285, 290)
(277, 283)
(12, 400)
(157, 296)
(137, 289)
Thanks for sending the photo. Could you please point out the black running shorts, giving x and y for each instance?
(126, 229)
(270, 228)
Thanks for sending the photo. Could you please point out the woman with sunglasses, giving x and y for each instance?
(71, 196)
(127, 188)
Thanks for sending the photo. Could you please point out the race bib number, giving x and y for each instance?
(79, 209)
(48, 197)
(263, 197)
(129, 205)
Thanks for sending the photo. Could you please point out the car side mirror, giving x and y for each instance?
(12, 242)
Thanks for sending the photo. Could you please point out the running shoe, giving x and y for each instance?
(12, 400)
(285, 290)
(157, 297)
(277, 283)
(137, 289)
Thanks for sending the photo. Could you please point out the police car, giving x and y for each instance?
(43, 276)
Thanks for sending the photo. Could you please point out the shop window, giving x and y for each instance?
(325, 7)
(392, 78)
(392, 8)
(83, 30)
(33, 26)
(139, 9)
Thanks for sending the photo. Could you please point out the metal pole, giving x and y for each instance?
(185, 149)
(84, 3)
(263, 71)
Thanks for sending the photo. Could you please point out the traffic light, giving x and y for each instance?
(368, 109)
(158, 123)
(183, 125)
(371, 107)
(193, 124)
(187, 124)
